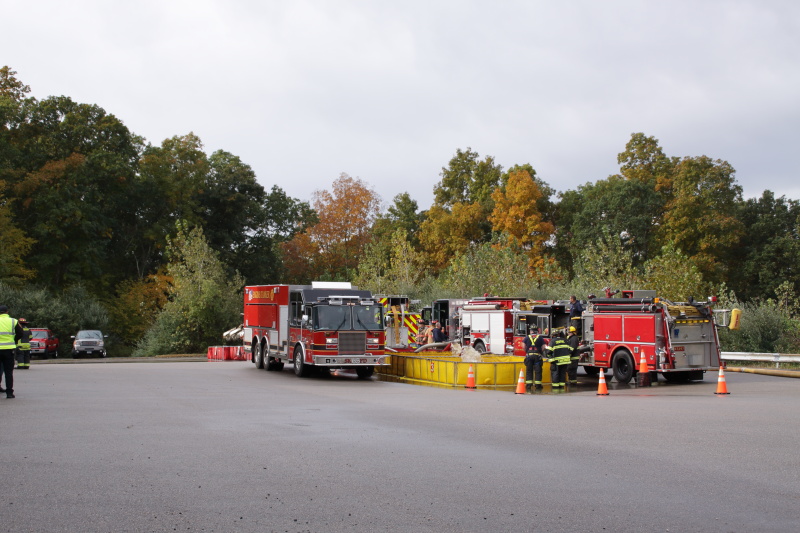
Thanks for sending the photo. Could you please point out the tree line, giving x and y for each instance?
(163, 238)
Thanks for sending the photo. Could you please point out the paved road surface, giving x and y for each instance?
(217, 447)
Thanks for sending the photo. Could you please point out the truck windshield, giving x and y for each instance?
(354, 317)
(332, 317)
(368, 317)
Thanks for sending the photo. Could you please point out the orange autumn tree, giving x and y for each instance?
(331, 248)
(517, 217)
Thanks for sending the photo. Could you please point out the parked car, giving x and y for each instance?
(43, 342)
(89, 342)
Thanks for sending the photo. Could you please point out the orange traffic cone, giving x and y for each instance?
(722, 387)
(602, 389)
(521, 383)
(643, 376)
(471, 378)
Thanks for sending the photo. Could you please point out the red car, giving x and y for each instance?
(43, 342)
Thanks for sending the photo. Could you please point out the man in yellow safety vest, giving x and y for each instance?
(10, 331)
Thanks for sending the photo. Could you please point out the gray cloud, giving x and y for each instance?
(304, 90)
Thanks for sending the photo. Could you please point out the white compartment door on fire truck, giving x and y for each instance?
(487, 327)
(497, 327)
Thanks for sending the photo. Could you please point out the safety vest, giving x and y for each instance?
(533, 341)
(560, 352)
(7, 325)
(24, 342)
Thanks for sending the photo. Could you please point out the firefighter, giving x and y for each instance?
(572, 370)
(558, 355)
(534, 344)
(425, 334)
(24, 346)
(575, 312)
(10, 331)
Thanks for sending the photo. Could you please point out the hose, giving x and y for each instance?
(765, 371)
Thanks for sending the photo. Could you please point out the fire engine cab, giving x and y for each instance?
(678, 340)
(325, 324)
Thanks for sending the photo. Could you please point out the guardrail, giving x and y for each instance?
(769, 357)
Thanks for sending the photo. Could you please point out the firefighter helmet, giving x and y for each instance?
(22, 320)
(572, 329)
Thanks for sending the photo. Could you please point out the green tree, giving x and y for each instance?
(204, 300)
(769, 251)
(607, 263)
(643, 160)
(467, 179)
(69, 188)
(402, 214)
(483, 268)
(700, 217)
(628, 208)
(390, 266)
(674, 276)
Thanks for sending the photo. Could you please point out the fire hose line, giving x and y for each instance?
(764, 371)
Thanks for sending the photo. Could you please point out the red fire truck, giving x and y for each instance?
(446, 312)
(326, 324)
(678, 340)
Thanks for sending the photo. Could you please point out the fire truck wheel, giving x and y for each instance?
(259, 356)
(480, 347)
(623, 366)
(301, 369)
(365, 371)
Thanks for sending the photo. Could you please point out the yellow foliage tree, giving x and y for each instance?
(332, 247)
(517, 217)
(447, 233)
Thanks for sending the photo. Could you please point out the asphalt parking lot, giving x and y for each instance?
(191, 445)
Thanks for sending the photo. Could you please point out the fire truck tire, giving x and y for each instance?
(259, 351)
(480, 347)
(623, 366)
(365, 372)
(301, 369)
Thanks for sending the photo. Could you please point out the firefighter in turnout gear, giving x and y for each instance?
(572, 370)
(534, 344)
(24, 346)
(558, 355)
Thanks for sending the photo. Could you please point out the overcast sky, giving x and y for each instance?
(304, 90)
